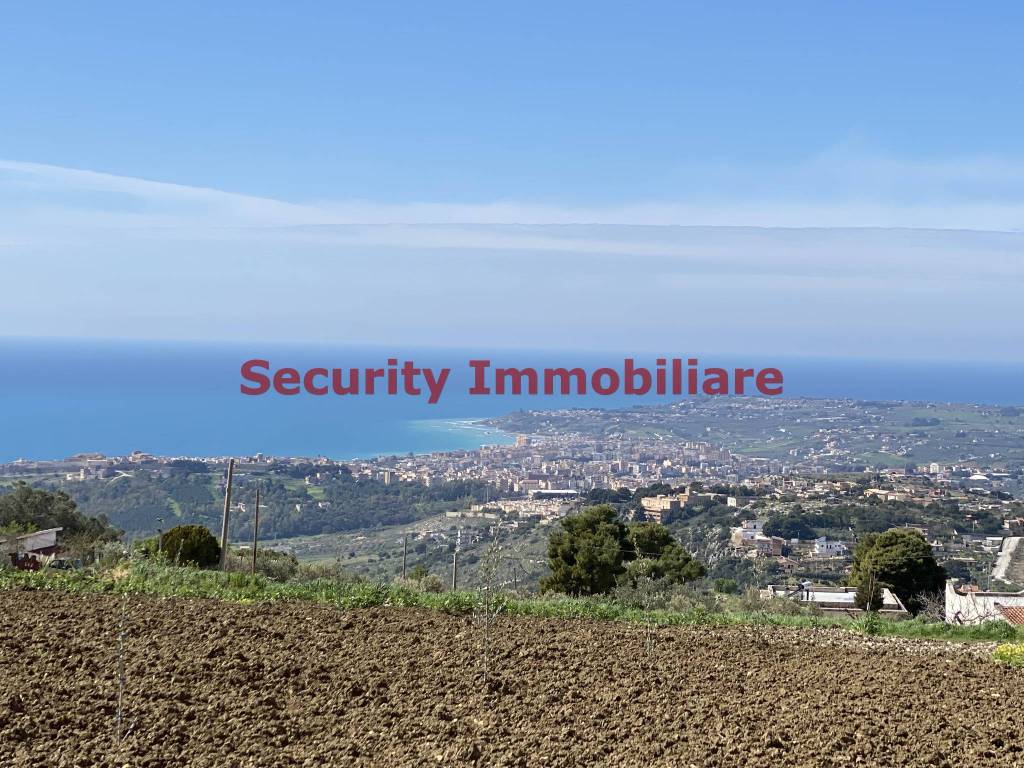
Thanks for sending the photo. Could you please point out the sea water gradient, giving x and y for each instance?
(60, 397)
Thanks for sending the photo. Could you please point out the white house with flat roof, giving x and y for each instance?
(834, 600)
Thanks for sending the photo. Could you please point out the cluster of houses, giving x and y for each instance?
(965, 604)
(560, 462)
(749, 539)
(546, 507)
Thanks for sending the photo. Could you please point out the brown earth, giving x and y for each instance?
(220, 684)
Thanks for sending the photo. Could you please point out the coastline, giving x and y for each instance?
(482, 434)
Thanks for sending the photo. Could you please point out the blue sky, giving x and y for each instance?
(384, 172)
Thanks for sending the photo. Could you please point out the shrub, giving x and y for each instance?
(871, 624)
(322, 571)
(751, 600)
(727, 586)
(642, 594)
(780, 606)
(431, 583)
(1010, 653)
(191, 545)
(425, 583)
(685, 599)
(279, 566)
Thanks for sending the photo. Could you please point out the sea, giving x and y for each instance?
(59, 397)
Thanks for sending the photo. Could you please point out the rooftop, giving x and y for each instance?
(839, 599)
(1014, 614)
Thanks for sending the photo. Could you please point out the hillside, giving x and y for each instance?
(140, 498)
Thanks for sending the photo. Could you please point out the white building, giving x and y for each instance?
(825, 548)
(749, 536)
(746, 532)
(969, 605)
(834, 600)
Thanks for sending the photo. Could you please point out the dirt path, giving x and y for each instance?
(218, 684)
(1011, 555)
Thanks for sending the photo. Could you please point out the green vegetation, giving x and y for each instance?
(901, 560)
(792, 526)
(588, 553)
(25, 509)
(377, 553)
(137, 497)
(594, 551)
(659, 556)
(151, 578)
(869, 595)
(190, 545)
(1010, 653)
(809, 519)
(726, 586)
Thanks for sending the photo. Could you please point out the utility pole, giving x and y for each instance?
(405, 553)
(255, 530)
(455, 559)
(227, 513)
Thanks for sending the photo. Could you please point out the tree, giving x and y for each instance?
(657, 489)
(669, 561)
(650, 539)
(726, 586)
(677, 566)
(900, 559)
(191, 545)
(587, 553)
(791, 526)
(594, 551)
(869, 595)
(609, 496)
(29, 508)
(418, 572)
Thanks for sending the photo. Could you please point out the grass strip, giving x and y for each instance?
(161, 580)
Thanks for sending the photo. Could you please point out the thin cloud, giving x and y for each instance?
(835, 189)
(51, 210)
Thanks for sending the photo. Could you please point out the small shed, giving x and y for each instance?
(27, 550)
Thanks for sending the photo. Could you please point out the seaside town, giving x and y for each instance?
(794, 519)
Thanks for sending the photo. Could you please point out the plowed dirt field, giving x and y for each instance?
(218, 684)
